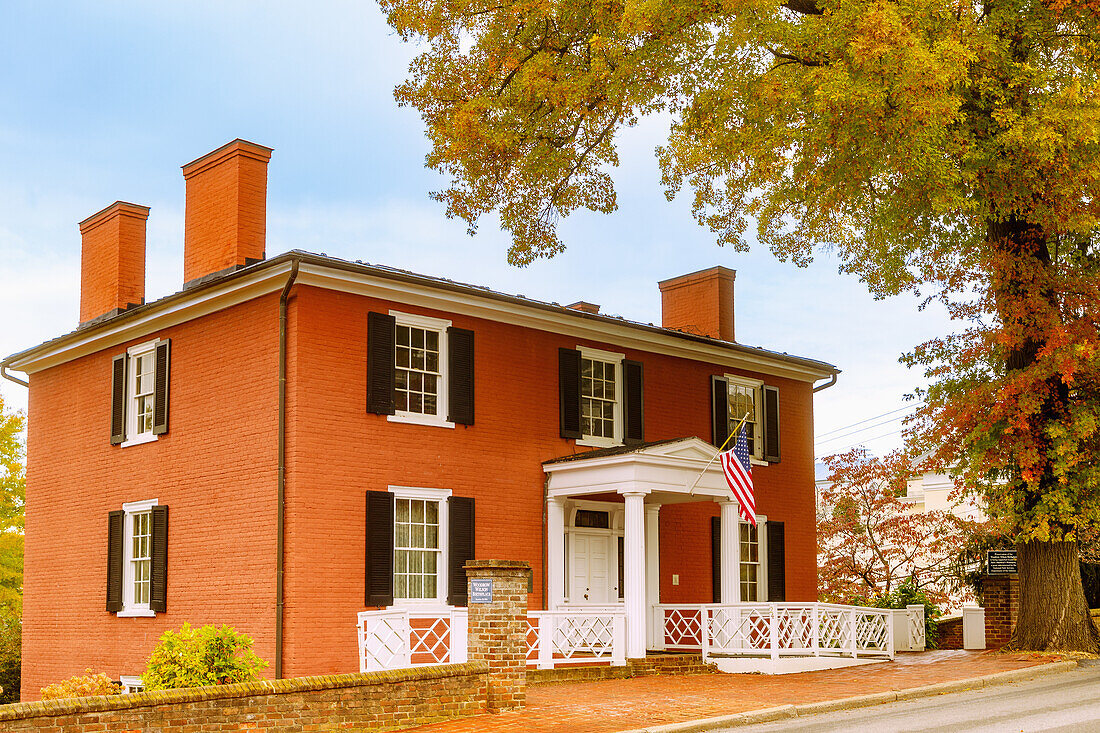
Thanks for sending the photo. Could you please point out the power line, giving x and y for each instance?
(869, 427)
(864, 442)
(876, 417)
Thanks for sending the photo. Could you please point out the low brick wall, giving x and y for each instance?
(649, 667)
(374, 701)
(951, 633)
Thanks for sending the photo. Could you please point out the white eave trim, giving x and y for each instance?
(271, 279)
(620, 335)
(179, 310)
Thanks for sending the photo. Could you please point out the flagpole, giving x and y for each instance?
(733, 432)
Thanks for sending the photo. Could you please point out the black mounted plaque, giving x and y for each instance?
(1000, 562)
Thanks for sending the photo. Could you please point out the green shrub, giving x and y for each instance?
(909, 594)
(82, 685)
(11, 634)
(204, 656)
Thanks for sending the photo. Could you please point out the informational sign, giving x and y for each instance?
(1000, 562)
(481, 590)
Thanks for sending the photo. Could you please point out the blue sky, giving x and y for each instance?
(105, 101)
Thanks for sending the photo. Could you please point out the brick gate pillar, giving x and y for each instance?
(1001, 598)
(498, 628)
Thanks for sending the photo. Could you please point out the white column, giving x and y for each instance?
(634, 571)
(555, 553)
(730, 541)
(652, 577)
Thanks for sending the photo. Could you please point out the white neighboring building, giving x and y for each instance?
(932, 491)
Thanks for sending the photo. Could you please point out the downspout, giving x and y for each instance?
(10, 378)
(830, 383)
(545, 545)
(280, 530)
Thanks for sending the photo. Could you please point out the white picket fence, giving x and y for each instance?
(399, 638)
(775, 629)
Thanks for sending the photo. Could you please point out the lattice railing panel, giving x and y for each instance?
(683, 627)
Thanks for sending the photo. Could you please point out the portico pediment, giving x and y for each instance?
(668, 471)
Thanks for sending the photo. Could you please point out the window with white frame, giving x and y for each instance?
(137, 563)
(419, 517)
(601, 397)
(141, 392)
(131, 684)
(420, 374)
(752, 572)
(744, 399)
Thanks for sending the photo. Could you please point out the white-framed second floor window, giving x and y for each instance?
(420, 369)
(419, 544)
(745, 399)
(601, 398)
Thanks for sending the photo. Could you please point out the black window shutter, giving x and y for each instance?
(777, 563)
(569, 389)
(380, 357)
(379, 566)
(771, 424)
(158, 549)
(460, 550)
(719, 408)
(160, 399)
(118, 399)
(115, 523)
(460, 366)
(633, 403)
(716, 558)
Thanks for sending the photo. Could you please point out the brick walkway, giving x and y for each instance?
(614, 705)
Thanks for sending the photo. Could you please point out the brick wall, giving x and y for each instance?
(214, 469)
(1001, 599)
(951, 633)
(498, 630)
(371, 701)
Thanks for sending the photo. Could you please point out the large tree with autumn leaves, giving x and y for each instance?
(948, 147)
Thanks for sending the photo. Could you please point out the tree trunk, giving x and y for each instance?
(1053, 612)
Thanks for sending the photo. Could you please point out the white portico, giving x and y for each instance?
(603, 550)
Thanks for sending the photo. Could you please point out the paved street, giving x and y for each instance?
(616, 705)
(1065, 702)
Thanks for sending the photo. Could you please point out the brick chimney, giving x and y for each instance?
(112, 260)
(700, 303)
(225, 217)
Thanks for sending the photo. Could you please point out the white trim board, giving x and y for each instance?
(268, 279)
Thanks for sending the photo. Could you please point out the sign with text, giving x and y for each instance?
(1000, 562)
(481, 590)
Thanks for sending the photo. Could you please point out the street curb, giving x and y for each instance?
(780, 712)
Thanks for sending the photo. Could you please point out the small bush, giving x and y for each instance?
(909, 594)
(204, 656)
(82, 685)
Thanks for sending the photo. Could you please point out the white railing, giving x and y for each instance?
(775, 629)
(909, 631)
(398, 638)
(576, 637)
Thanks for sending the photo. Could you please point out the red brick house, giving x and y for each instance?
(287, 441)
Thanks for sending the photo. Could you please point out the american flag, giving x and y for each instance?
(738, 470)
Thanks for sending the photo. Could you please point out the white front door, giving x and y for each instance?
(591, 576)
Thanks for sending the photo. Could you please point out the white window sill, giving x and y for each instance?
(146, 438)
(423, 604)
(136, 613)
(415, 419)
(599, 442)
(758, 462)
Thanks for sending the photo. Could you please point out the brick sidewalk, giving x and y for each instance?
(614, 705)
